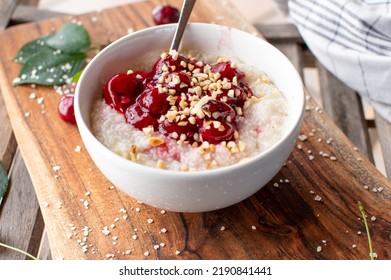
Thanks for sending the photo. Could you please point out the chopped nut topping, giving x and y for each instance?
(155, 141)
(183, 64)
(190, 67)
(160, 164)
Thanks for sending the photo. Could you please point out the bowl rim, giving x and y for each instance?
(81, 124)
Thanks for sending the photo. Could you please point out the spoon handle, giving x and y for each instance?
(183, 19)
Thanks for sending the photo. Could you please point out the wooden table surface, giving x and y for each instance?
(309, 210)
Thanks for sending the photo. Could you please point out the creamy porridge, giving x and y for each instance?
(189, 114)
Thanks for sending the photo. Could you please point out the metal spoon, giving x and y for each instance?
(183, 19)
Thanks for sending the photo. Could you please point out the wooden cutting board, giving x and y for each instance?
(308, 211)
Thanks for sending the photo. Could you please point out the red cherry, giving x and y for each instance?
(121, 91)
(182, 86)
(164, 14)
(238, 98)
(188, 129)
(226, 71)
(219, 111)
(65, 108)
(171, 63)
(225, 132)
(153, 102)
(138, 118)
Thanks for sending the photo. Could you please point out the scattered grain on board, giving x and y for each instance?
(302, 137)
(105, 231)
(317, 198)
(56, 168)
(110, 255)
(319, 249)
(374, 255)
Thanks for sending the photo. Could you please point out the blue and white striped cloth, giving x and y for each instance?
(352, 39)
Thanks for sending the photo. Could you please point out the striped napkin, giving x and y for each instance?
(352, 39)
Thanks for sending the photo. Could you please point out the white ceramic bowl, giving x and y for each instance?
(202, 190)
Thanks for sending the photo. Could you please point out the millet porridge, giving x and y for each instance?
(189, 114)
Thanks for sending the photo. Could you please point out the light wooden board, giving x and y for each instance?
(281, 221)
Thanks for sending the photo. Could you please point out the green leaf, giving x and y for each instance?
(50, 68)
(72, 38)
(3, 181)
(32, 48)
(76, 77)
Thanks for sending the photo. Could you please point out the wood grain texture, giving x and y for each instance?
(44, 252)
(345, 108)
(284, 220)
(7, 140)
(384, 132)
(24, 13)
(280, 32)
(293, 51)
(7, 7)
(20, 226)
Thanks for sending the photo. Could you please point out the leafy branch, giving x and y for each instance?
(55, 58)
